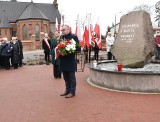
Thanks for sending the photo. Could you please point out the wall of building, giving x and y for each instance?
(6, 32)
(31, 43)
(44, 27)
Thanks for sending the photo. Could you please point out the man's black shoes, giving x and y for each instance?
(64, 94)
(69, 95)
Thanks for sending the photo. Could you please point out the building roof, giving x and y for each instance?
(4, 21)
(32, 12)
(14, 0)
(20, 10)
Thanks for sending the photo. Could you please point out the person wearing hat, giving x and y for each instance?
(109, 43)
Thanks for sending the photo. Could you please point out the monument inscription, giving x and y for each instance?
(128, 32)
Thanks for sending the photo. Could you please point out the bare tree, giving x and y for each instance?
(157, 10)
(144, 7)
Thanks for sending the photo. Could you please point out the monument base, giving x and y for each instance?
(130, 81)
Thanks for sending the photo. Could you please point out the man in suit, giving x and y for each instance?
(46, 43)
(68, 64)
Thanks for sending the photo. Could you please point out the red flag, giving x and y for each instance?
(92, 33)
(98, 34)
(86, 37)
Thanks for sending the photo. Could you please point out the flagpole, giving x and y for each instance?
(115, 31)
(89, 53)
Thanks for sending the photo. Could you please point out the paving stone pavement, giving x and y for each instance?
(31, 94)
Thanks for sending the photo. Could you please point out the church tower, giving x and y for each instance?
(55, 4)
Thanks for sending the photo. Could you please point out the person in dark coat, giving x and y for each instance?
(96, 52)
(15, 52)
(6, 53)
(46, 45)
(157, 41)
(68, 64)
(55, 62)
(85, 50)
(1, 58)
(21, 52)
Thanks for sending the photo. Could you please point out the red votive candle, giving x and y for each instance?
(119, 66)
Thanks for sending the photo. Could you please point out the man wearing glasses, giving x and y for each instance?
(68, 64)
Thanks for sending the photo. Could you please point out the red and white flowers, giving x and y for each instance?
(65, 47)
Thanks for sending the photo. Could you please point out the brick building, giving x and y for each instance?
(28, 21)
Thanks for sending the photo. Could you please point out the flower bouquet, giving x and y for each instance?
(65, 47)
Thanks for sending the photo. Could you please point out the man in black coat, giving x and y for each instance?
(68, 64)
(1, 58)
(20, 52)
(46, 43)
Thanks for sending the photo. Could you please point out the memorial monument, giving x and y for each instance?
(134, 45)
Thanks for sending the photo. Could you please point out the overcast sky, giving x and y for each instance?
(104, 9)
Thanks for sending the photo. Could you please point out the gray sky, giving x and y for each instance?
(103, 9)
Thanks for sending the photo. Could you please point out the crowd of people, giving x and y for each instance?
(11, 53)
(14, 54)
(109, 43)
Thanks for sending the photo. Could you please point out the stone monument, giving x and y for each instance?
(134, 45)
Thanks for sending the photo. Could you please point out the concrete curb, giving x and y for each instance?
(113, 90)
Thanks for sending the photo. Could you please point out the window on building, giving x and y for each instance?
(45, 29)
(52, 28)
(5, 32)
(25, 32)
(37, 32)
(14, 33)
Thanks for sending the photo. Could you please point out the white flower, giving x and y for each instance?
(73, 42)
(70, 47)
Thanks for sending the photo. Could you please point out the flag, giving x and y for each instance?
(78, 32)
(86, 37)
(70, 28)
(92, 33)
(98, 34)
(89, 30)
(61, 24)
(56, 25)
